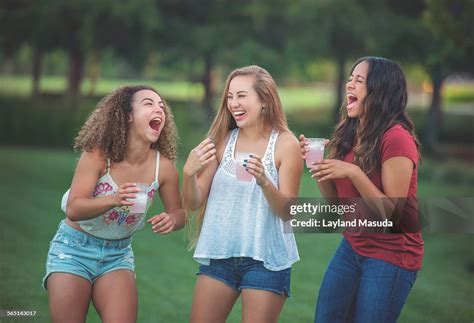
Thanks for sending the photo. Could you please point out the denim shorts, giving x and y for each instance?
(244, 272)
(79, 253)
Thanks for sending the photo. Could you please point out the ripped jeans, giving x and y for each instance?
(79, 253)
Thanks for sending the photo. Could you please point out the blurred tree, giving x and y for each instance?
(81, 27)
(94, 25)
(127, 28)
(26, 22)
(201, 33)
(347, 31)
(449, 49)
(336, 29)
(439, 35)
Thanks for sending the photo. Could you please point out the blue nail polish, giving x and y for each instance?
(245, 160)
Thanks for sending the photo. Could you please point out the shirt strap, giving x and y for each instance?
(157, 167)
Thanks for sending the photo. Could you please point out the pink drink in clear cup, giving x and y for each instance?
(240, 172)
(141, 199)
(316, 150)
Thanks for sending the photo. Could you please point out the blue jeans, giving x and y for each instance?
(362, 289)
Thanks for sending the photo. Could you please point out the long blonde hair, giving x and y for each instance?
(273, 116)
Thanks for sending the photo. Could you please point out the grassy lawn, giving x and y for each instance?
(33, 181)
(181, 91)
(292, 97)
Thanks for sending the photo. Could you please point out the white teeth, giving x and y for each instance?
(156, 119)
(238, 113)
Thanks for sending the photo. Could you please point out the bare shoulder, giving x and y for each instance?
(91, 165)
(287, 148)
(168, 170)
(166, 163)
(94, 159)
(287, 142)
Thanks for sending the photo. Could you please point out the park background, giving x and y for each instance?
(58, 58)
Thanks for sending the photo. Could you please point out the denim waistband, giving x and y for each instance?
(84, 237)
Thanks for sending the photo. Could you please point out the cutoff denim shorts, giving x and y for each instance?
(79, 253)
(245, 272)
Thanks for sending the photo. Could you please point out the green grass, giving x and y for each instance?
(459, 92)
(302, 97)
(32, 183)
(292, 98)
(21, 86)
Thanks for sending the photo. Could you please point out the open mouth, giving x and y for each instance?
(351, 101)
(155, 124)
(239, 115)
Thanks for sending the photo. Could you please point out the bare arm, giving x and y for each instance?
(81, 204)
(289, 173)
(173, 218)
(328, 190)
(396, 177)
(198, 173)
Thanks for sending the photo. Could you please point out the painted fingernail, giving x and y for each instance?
(245, 160)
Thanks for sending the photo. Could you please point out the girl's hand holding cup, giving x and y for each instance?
(255, 167)
(126, 194)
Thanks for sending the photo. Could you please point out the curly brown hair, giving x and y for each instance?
(107, 128)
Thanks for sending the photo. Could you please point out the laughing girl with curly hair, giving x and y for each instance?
(129, 138)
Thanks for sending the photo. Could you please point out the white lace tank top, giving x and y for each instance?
(238, 220)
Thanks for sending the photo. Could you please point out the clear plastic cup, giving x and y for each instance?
(141, 199)
(240, 172)
(316, 150)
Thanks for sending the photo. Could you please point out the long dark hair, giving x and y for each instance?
(383, 107)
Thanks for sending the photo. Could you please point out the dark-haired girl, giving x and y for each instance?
(373, 156)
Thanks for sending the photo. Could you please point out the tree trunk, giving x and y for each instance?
(208, 83)
(433, 119)
(76, 62)
(36, 72)
(341, 63)
(94, 71)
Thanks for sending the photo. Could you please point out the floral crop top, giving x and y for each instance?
(119, 222)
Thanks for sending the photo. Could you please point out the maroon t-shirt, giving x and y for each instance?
(402, 249)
